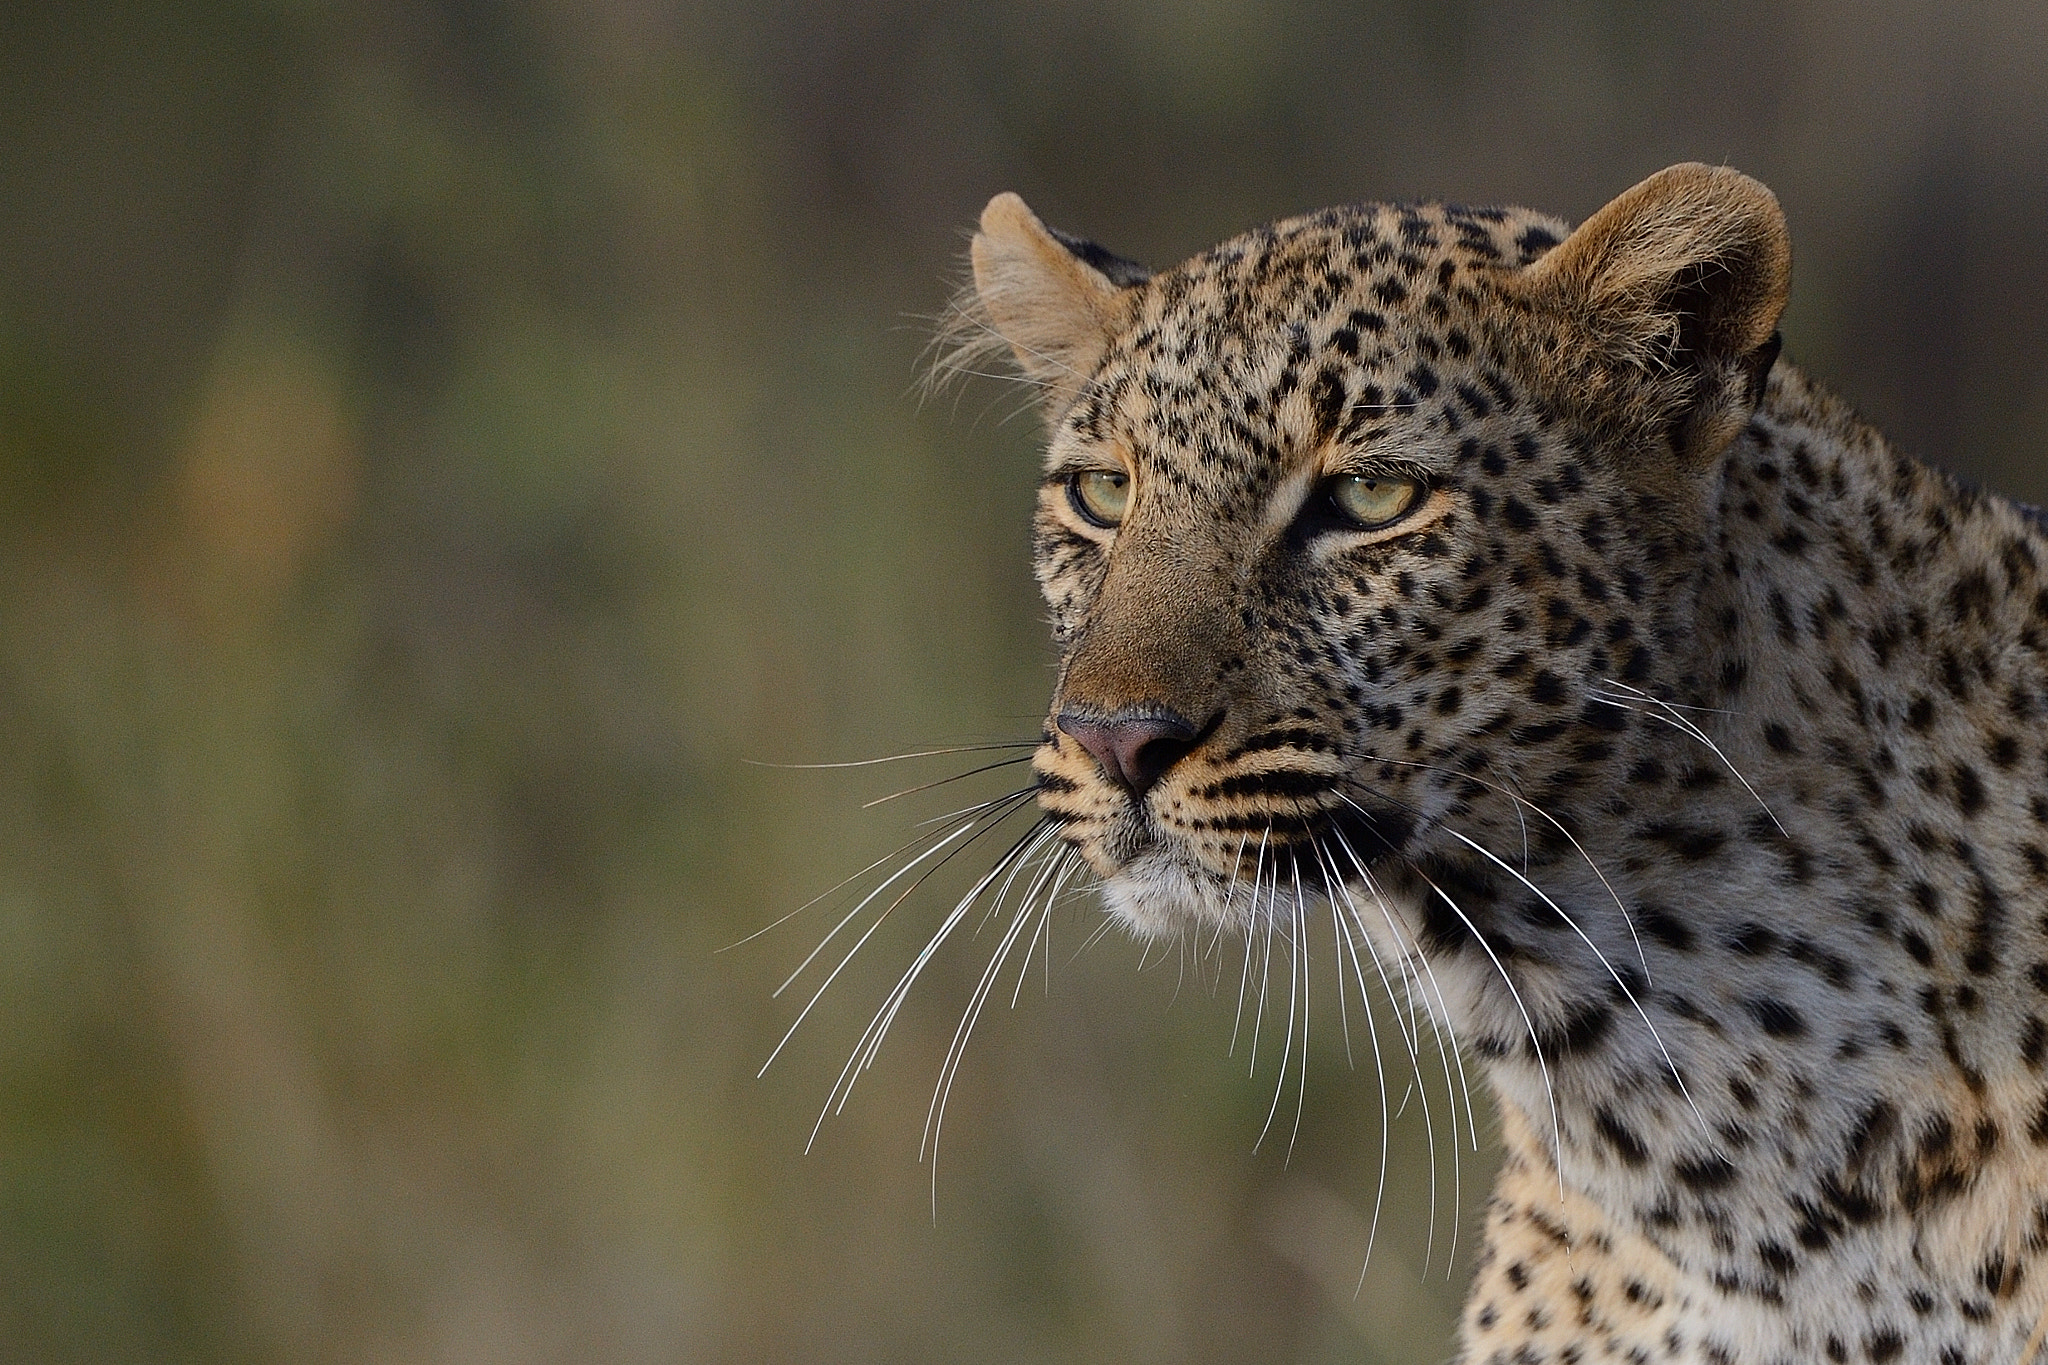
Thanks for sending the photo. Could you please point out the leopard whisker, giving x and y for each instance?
(1641, 1013)
(1038, 839)
(1520, 804)
(1293, 982)
(1251, 925)
(1439, 1013)
(1336, 934)
(1440, 1023)
(1100, 932)
(844, 882)
(1528, 1021)
(940, 782)
(1060, 863)
(1669, 715)
(1265, 967)
(1070, 861)
(868, 1045)
(1299, 940)
(1332, 876)
(895, 758)
(978, 806)
(865, 901)
(1379, 1073)
(949, 1069)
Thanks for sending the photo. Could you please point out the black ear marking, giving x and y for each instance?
(1759, 364)
(1118, 270)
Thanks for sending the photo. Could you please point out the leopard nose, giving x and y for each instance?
(1134, 746)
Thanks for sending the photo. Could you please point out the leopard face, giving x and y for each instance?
(1345, 520)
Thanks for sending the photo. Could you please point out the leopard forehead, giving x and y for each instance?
(1317, 328)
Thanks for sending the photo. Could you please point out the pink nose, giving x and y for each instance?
(1134, 746)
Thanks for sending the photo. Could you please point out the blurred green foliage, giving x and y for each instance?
(442, 444)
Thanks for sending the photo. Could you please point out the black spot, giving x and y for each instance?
(1326, 400)
(1621, 1137)
(1689, 842)
(1665, 927)
(1969, 789)
(1777, 1018)
(1579, 1032)
(1752, 939)
(1972, 597)
(1706, 1173)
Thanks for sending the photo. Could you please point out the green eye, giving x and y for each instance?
(1370, 501)
(1100, 495)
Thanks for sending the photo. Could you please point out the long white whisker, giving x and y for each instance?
(780, 920)
(1337, 940)
(870, 1041)
(1034, 841)
(1641, 1013)
(895, 758)
(1293, 984)
(1094, 938)
(956, 1049)
(1671, 717)
(1332, 876)
(1250, 928)
(935, 1117)
(1379, 1068)
(865, 901)
(1265, 969)
(1062, 866)
(1438, 1009)
(942, 781)
(1301, 924)
(1439, 1023)
(1535, 1045)
(1524, 803)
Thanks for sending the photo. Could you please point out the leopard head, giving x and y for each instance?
(1345, 520)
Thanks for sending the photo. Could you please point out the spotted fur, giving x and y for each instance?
(1690, 733)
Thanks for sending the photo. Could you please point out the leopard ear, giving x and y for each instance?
(1670, 298)
(1055, 300)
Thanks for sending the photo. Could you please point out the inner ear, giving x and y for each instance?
(1670, 298)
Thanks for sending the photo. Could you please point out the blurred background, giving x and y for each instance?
(444, 447)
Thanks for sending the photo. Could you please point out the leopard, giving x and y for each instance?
(1498, 587)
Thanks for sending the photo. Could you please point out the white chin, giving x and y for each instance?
(1156, 897)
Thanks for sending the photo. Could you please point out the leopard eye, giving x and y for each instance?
(1370, 501)
(1100, 495)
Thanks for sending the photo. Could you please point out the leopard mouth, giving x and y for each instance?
(1233, 869)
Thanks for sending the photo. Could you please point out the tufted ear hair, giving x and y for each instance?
(1055, 300)
(1670, 298)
